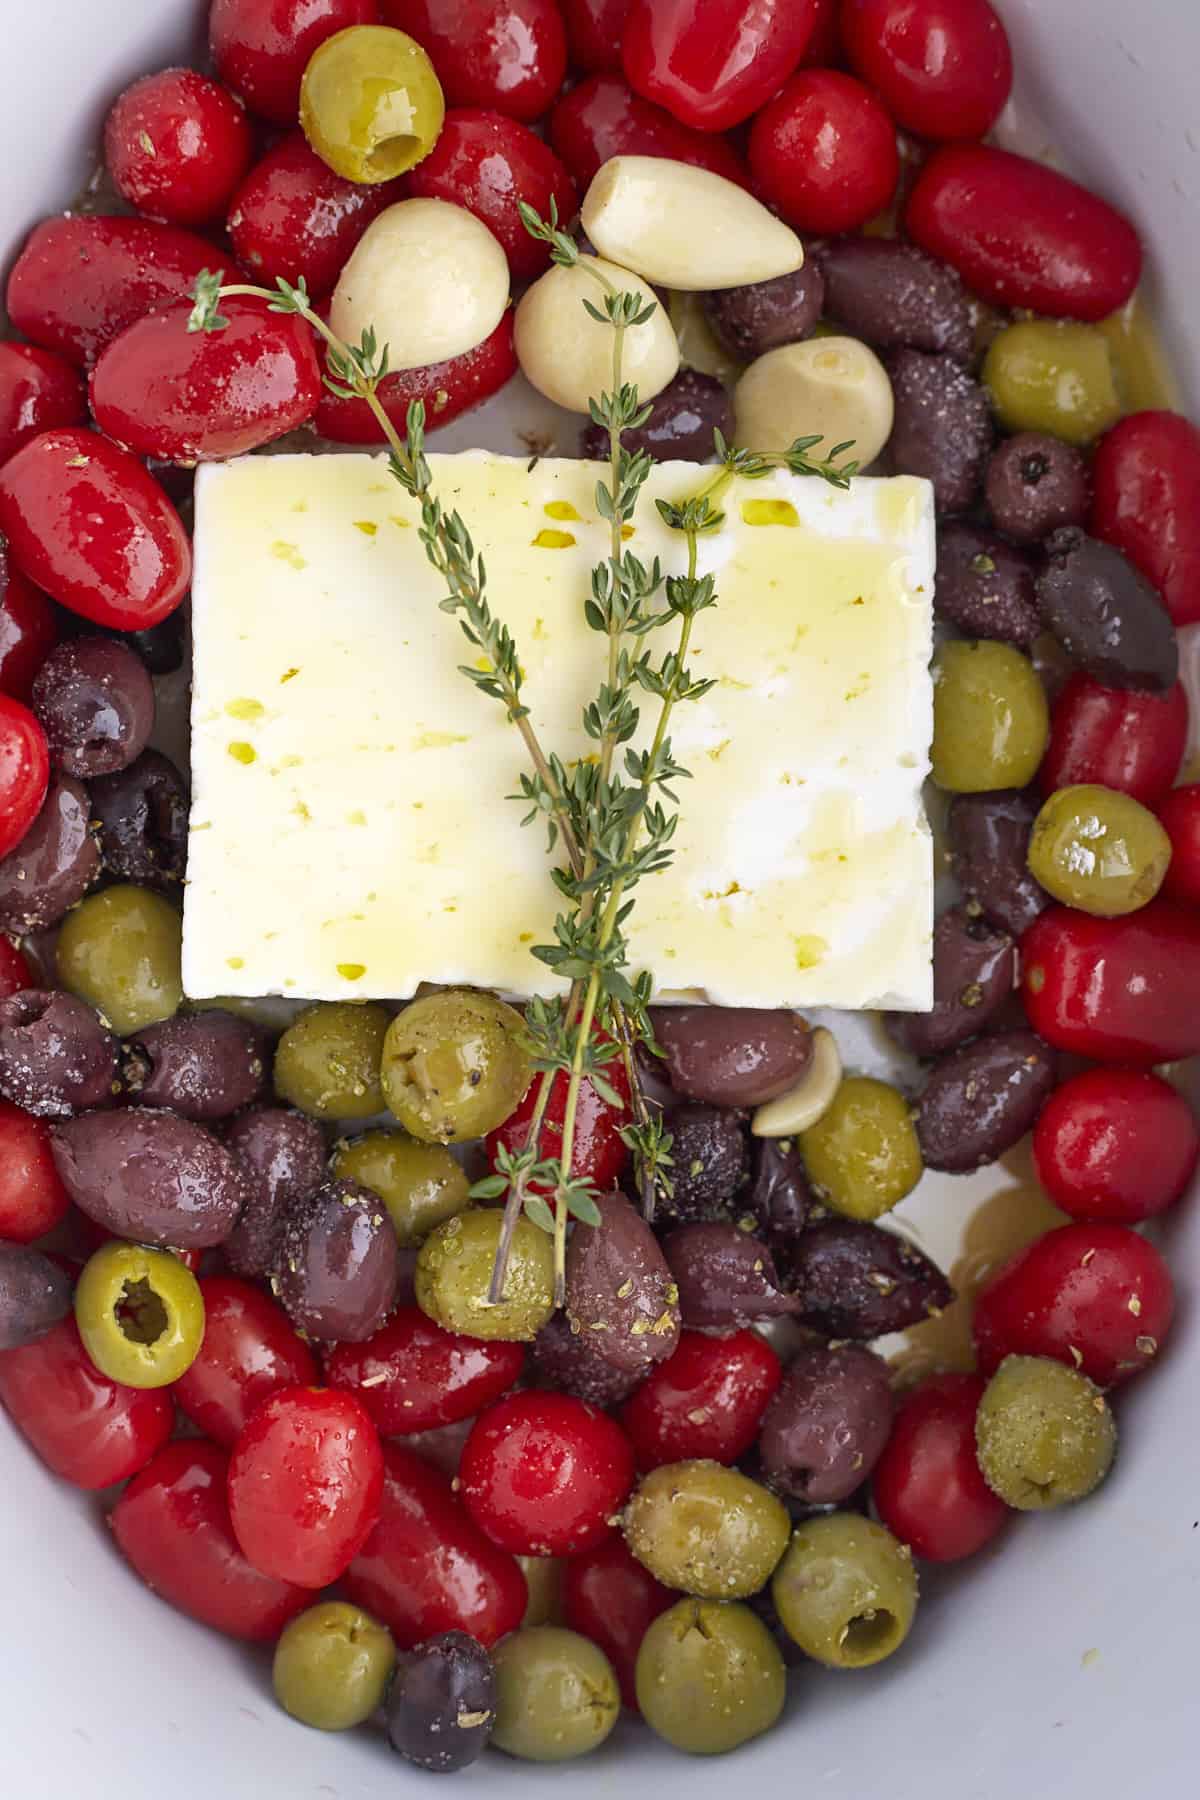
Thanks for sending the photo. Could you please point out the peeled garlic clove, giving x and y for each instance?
(811, 1097)
(428, 278)
(567, 354)
(833, 386)
(685, 227)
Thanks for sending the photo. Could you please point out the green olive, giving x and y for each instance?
(706, 1529)
(140, 1315)
(332, 1666)
(556, 1694)
(454, 1272)
(990, 718)
(543, 1580)
(119, 950)
(846, 1591)
(709, 1676)
(370, 103)
(862, 1155)
(1099, 850)
(327, 1062)
(454, 1066)
(420, 1184)
(1044, 1433)
(1050, 376)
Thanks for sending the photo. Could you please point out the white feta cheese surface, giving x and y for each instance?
(350, 831)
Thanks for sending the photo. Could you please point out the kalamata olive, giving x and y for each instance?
(95, 702)
(726, 1278)
(54, 864)
(981, 1099)
(985, 586)
(681, 423)
(989, 843)
(569, 1360)
(619, 1289)
(1106, 615)
(748, 321)
(974, 967)
(710, 1160)
(442, 1703)
(895, 296)
(732, 1055)
(852, 1280)
(283, 1154)
(827, 1422)
(56, 1058)
(335, 1273)
(1034, 485)
(204, 1065)
(35, 1294)
(943, 426)
(151, 1177)
(142, 812)
(780, 1197)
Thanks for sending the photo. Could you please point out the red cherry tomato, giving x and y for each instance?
(24, 771)
(823, 152)
(599, 1154)
(602, 118)
(943, 68)
(426, 1568)
(292, 216)
(1179, 813)
(176, 145)
(927, 1486)
(706, 1400)
(594, 32)
(1117, 738)
(191, 396)
(543, 1474)
(447, 390)
(1115, 990)
(261, 48)
(87, 523)
(1095, 1296)
(172, 1526)
(38, 390)
(510, 55)
(304, 1485)
(249, 1352)
(79, 282)
(33, 1199)
(1021, 234)
(609, 1597)
(28, 630)
(88, 1429)
(1115, 1144)
(488, 163)
(712, 63)
(412, 1375)
(1146, 501)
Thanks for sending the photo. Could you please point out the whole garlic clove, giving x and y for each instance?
(831, 386)
(567, 354)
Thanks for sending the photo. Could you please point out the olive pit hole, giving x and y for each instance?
(140, 1312)
(867, 1635)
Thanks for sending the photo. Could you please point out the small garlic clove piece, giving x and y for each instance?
(684, 227)
(567, 354)
(811, 1097)
(833, 386)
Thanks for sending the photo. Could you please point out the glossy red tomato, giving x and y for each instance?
(1095, 1296)
(412, 1375)
(510, 55)
(1021, 234)
(24, 771)
(603, 118)
(15, 974)
(305, 1481)
(292, 216)
(599, 1155)
(1115, 1144)
(706, 1400)
(37, 391)
(927, 1486)
(447, 389)
(87, 523)
(1116, 737)
(261, 48)
(712, 63)
(88, 1429)
(823, 152)
(943, 68)
(488, 163)
(249, 1352)
(594, 32)
(1115, 990)
(28, 630)
(544, 1474)
(176, 145)
(172, 1526)
(33, 1200)
(609, 1597)
(427, 1568)
(1180, 816)
(1146, 501)
(79, 282)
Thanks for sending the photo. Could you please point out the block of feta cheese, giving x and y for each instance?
(351, 830)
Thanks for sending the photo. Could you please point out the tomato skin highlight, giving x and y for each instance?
(414, 1376)
(1115, 737)
(38, 390)
(509, 55)
(261, 48)
(292, 216)
(28, 631)
(1123, 990)
(176, 145)
(1179, 815)
(544, 1474)
(706, 1400)
(488, 163)
(927, 1485)
(599, 1154)
(712, 63)
(1116, 1144)
(24, 771)
(603, 117)
(823, 152)
(943, 68)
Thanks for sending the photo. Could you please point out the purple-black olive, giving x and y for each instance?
(56, 1058)
(852, 1280)
(732, 1055)
(54, 864)
(726, 1278)
(981, 1099)
(442, 1703)
(1105, 614)
(943, 426)
(985, 586)
(335, 1270)
(95, 702)
(151, 1177)
(204, 1065)
(142, 813)
(827, 1423)
(974, 966)
(284, 1156)
(35, 1293)
(989, 836)
(894, 296)
(620, 1292)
